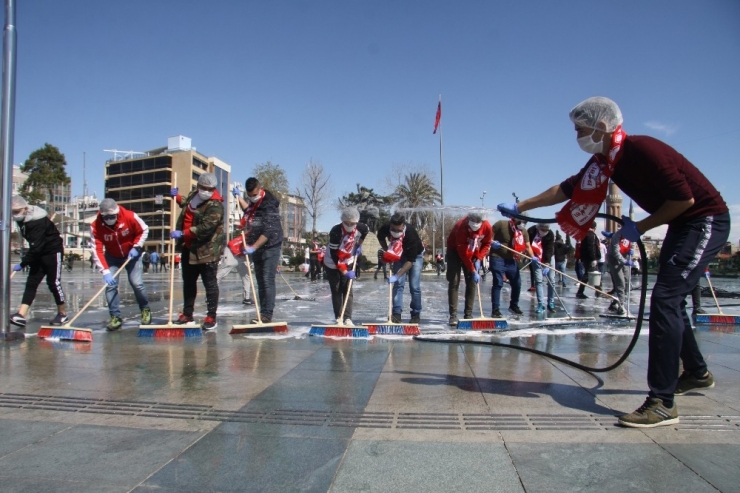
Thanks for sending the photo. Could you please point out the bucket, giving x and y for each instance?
(594, 278)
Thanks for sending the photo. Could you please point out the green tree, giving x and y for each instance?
(375, 206)
(45, 170)
(272, 177)
(417, 191)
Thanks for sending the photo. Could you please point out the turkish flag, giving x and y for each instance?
(438, 117)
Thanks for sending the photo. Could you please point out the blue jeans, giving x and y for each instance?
(510, 268)
(561, 267)
(135, 270)
(540, 282)
(265, 267)
(414, 285)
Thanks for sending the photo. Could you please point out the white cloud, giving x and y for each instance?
(663, 128)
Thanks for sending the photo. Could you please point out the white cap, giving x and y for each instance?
(590, 112)
(208, 180)
(18, 202)
(108, 206)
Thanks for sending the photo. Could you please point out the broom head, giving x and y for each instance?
(338, 331)
(65, 333)
(389, 328)
(263, 328)
(717, 319)
(482, 324)
(170, 331)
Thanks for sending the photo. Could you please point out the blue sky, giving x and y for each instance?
(354, 85)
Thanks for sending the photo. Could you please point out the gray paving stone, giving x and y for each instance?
(422, 466)
(16, 434)
(19, 485)
(718, 464)
(605, 468)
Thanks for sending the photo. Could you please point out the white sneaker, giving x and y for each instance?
(339, 321)
(348, 321)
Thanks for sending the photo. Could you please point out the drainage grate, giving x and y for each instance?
(309, 417)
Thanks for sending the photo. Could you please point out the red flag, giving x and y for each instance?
(438, 117)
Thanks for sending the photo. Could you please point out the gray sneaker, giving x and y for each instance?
(651, 414)
(688, 382)
(453, 320)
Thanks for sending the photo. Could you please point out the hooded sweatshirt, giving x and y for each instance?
(41, 234)
(130, 231)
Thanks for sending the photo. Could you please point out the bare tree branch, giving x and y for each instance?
(315, 190)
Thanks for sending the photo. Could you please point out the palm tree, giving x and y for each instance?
(416, 191)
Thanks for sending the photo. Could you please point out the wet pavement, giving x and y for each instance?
(297, 413)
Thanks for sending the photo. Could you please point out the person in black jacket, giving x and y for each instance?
(590, 256)
(406, 254)
(543, 246)
(562, 249)
(44, 256)
(264, 234)
(345, 247)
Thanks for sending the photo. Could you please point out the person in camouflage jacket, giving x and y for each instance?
(200, 236)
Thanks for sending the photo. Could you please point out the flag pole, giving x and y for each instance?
(441, 179)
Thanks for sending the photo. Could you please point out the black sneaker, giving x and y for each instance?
(247, 302)
(515, 309)
(184, 319)
(453, 320)
(699, 311)
(114, 324)
(688, 382)
(651, 414)
(209, 323)
(415, 319)
(467, 316)
(18, 319)
(496, 313)
(265, 319)
(614, 306)
(396, 318)
(60, 319)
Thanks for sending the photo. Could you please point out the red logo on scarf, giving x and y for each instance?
(395, 250)
(537, 246)
(346, 249)
(578, 213)
(517, 239)
(474, 242)
(624, 246)
(250, 211)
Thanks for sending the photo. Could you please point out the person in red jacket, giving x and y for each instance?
(117, 234)
(467, 246)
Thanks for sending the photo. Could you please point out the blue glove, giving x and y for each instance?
(706, 273)
(17, 267)
(176, 234)
(629, 229)
(236, 191)
(358, 250)
(507, 209)
(392, 279)
(133, 253)
(545, 271)
(109, 279)
(476, 264)
(350, 274)
(496, 245)
(632, 251)
(629, 263)
(249, 250)
(607, 234)
(173, 191)
(476, 277)
(535, 261)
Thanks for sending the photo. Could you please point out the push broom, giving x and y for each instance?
(170, 329)
(389, 327)
(296, 297)
(68, 333)
(716, 318)
(569, 318)
(259, 327)
(339, 329)
(482, 323)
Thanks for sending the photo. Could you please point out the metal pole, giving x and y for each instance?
(441, 181)
(7, 134)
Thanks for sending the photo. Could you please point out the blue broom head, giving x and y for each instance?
(717, 319)
(337, 331)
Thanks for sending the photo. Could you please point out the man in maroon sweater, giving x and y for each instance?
(673, 192)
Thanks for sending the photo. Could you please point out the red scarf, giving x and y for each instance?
(537, 246)
(517, 239)
(251, 210)
(624, 246)
(474, 239)
(395, 250)
(576, 216)
(346, 249)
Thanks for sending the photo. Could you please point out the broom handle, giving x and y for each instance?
(12, 274)
(172, 252)
(480, 300)
(390, 302)
(563, 273)
(251, 281)
(289, 286)
(714, 296)
(349, 291)
(105, 286)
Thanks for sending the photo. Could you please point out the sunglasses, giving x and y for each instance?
(109, 217)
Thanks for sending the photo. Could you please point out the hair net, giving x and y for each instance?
(108, 206)
(594, 110)
(543, 226)
(18, 202)
(476, 217)
(350, 215)
(208, 180)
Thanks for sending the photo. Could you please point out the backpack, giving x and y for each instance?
(145, 257)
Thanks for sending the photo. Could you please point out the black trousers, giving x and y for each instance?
(51, 267)
(338, 284)
(685, 254)
(315, 267)
(190, 273)
(454, 268)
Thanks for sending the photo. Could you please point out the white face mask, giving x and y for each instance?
(587, 144)
(398, 234)
(110, 222)
(254, 199)
(20, 217)
(205, 194)
(474, 226)
(349, 227)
